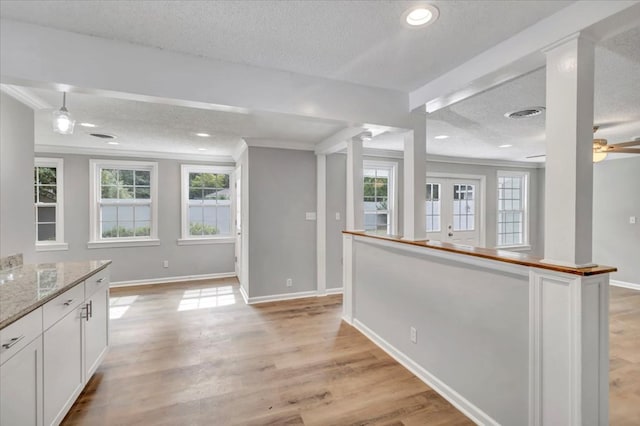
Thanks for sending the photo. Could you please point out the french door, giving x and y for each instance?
(453, 210)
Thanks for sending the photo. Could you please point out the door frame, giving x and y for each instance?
(482, 217)
(238, 231)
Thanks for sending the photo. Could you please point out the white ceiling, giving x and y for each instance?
(362, 42)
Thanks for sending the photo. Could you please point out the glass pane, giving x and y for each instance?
(223, 224)
(142, 213)
(109, 192)
(47, 232)
(125, 229)
(382, 203)
(369, 222)
(125, 192)
(143, 193)
(125, 214)
(196, 194)
(436, 191)
(370, 205)
(209, 215)
(47, 175)
(143, 229)
(142, 178)
(209, 194)
(109, 213)
(46, 214)
(109, 229)
(195, 181)
(109, 177)
(47, 194)
(429, 191)
(126, 177)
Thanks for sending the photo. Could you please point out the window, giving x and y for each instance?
(207, 204)
(123, 209)
(512, 209)
(433, 207)
(48, 198)
(379, 197)
(464, 207)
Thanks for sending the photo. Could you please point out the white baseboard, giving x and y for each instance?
(244, 295)
(632, 286)
(466, 407)
(337, 290)
(167, 280)
(280, 297)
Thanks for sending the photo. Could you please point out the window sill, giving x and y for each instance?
(202, 241)
(521, 247)
(122, 243)
(52, 247)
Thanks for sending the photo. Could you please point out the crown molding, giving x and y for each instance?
(25, 96)
(270, 143)
(58, 149)
(240, 148)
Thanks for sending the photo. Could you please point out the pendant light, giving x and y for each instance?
(62, 121)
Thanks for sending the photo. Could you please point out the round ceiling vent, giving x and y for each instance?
(103, 135)
(525, 113)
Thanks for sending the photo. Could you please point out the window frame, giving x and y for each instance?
(95, 170)
(185, 237)
(59, 243)
(392, 190)
(526, 244)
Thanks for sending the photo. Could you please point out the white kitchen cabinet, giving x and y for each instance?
(96, 329)
(21, 387)
(63, 367)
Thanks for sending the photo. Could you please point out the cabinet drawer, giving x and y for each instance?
(96, 282)
(19, 334)
(62, 305)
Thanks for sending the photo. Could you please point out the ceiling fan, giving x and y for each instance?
(601, 148)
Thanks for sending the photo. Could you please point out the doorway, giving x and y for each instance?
(455, 209)
(238, 223)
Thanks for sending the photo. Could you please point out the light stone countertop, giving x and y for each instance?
(25, 288)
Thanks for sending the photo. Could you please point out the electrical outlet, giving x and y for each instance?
(165, 264)
(310, 216)
(632, 220)
(337, 215)
(289, 282)
(413, 335)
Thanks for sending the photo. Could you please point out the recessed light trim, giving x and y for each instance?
(441, 137)
(103, 135)
(525, 113)
(90, 125)
(202, 149)
(203, 135)
(505, 146)
(113, 143)
(421, 16)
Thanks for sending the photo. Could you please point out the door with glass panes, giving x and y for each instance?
(453, 210)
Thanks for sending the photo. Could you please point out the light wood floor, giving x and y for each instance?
(195, 354)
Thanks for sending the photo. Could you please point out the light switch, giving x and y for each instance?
(311, 216)
(632, 220)
(337, 215)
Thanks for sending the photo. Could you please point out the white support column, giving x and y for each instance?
(569, 349)
(347, 278)
(569, 167)
(355, 186)
(415, 175)
(321, 223)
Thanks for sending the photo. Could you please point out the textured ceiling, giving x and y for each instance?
(363, 42)
(477, 126)
(151, 127)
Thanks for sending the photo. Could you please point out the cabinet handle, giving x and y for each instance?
(85, 308)
(99, 280)
(12, 342)
(91, 308)
(68, 302)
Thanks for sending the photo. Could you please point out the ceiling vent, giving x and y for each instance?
(102, 135)
(525, 113)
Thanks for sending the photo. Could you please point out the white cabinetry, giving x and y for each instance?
(96, 326)
(21, 372)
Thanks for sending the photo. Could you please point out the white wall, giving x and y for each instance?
(282, 244)
(616, 197)
(136, 263)
(17, 216)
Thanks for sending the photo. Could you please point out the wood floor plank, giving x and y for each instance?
(195, 354)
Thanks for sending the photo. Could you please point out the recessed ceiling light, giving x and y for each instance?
(505, 146)
(441, 137)
(113, 143)
(525, 113)
(103, 135)
(203, 135)
(87, 125)
(202, 149)
(421, 15)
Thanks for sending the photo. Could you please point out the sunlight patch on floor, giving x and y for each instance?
(207, 298)
(119, 305)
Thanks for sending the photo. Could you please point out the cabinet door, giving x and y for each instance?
(63, 368)
(96, 331)
(21, 387)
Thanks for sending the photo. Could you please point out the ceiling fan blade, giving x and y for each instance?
(623, 144)
(536, 156)
(614, 150)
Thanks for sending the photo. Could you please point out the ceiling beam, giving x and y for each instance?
(44, 57)
(338, 141)
(522, 53)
